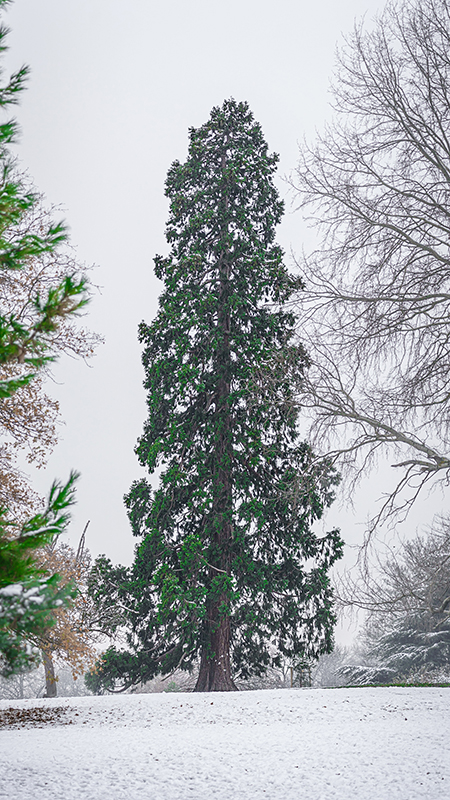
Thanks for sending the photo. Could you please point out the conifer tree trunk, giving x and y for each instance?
(215, 667)
(215, 661)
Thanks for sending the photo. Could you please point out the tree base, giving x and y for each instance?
(215, 676)
(209, 684)
(215, 662)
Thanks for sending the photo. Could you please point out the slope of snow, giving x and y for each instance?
(322, 744)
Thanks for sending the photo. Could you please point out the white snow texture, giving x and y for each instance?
(319, 744)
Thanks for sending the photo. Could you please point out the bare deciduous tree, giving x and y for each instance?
(376, 311)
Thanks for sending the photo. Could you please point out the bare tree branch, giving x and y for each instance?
(375, 312)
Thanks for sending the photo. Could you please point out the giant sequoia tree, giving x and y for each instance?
(220, 571)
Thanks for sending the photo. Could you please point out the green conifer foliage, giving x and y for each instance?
(220, 573)
(27, 597)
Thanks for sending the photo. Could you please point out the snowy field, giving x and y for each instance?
(319, 744)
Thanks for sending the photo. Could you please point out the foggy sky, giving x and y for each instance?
(114, 88)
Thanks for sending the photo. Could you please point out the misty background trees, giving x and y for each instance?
(406, 633)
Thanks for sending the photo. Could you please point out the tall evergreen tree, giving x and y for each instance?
(220, 571)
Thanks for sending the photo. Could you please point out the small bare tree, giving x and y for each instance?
(376, 310)
(71, 636)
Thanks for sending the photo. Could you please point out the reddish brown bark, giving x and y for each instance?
(215, 664)
(215, 661)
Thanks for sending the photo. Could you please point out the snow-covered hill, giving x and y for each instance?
(319, 744)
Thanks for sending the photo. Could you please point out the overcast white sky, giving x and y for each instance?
(113, 90)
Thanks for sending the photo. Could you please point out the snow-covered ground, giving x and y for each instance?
(319, 744)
